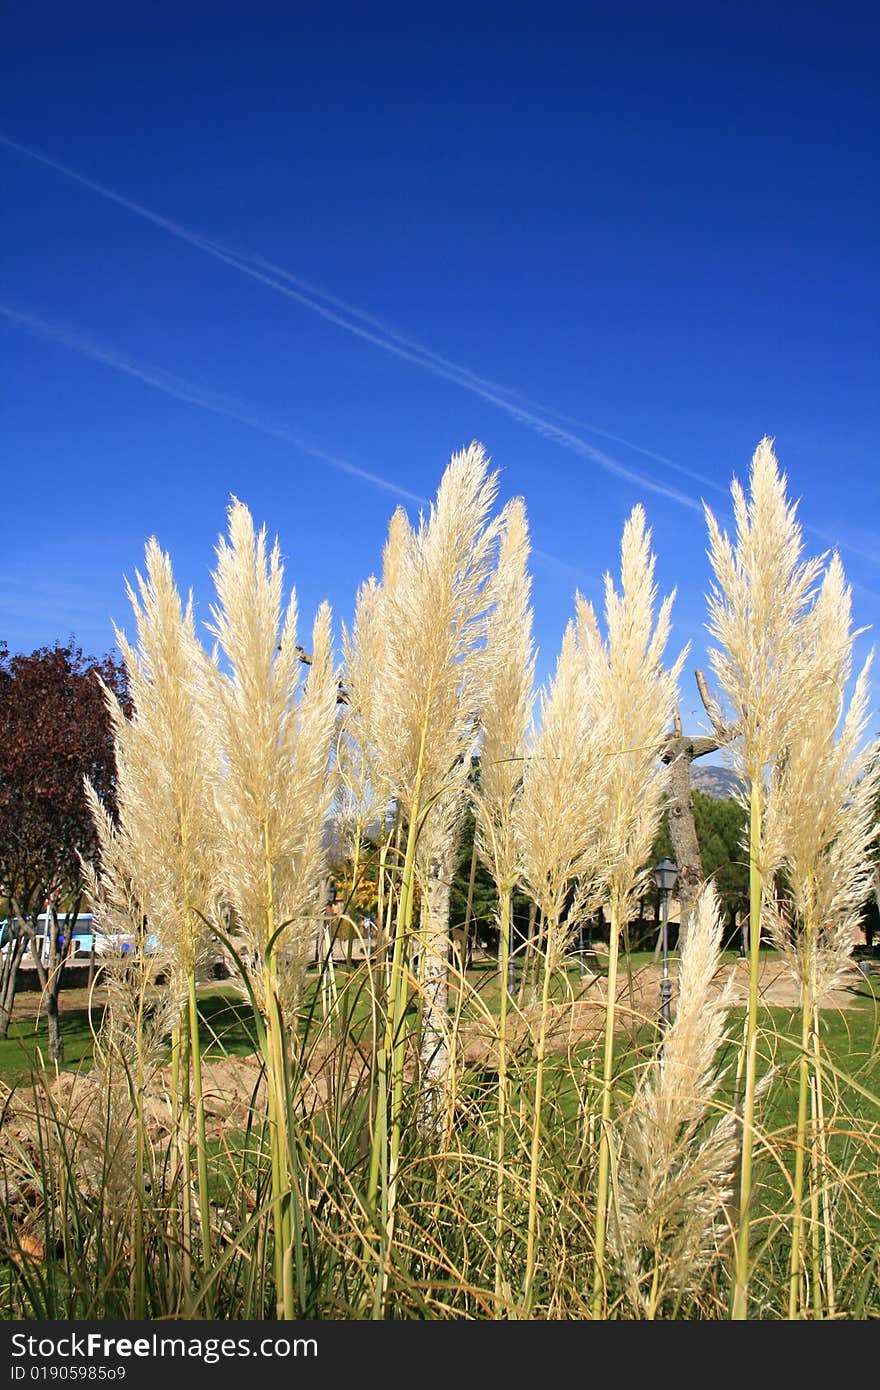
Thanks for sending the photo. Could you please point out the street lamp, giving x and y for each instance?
(665, 874)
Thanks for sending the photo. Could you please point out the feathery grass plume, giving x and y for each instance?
(674, 1164)
(434, 605)
(400, 534)
(507, 701)
(821, 811)
(505, 716)
(435, 596)
(362, 798)
(758, 604)
(274, 788)
(632, 698)
(273, 797)
(760, 614)
(557, 816)
(159, 862)
(363, 657)
(363, 790)
(821, 816)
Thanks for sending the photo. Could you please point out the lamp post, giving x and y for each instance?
(665, 874)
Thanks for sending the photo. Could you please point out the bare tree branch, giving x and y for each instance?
(306, 659)
(724, 731)
(679, 751)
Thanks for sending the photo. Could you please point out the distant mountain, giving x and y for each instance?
(717, 782)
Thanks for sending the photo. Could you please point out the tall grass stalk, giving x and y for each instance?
(631, 700)
(158, 864)
(502, 1284)
(433, 607)
(556, 824)
(505, 719)
(821, 814)
(820, 1184)
(759, 613)
(273, 790)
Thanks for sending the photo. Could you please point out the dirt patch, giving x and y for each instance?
(582, 1018)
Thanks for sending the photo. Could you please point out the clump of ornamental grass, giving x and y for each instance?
(760, 616)
(433, 612)
(272, 796)
(505, 716)
(821, 817)
(158, 875)
(676, 1148)
(630, 699)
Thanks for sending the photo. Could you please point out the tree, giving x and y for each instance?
(473, 904)
(719, 828)
(678, 752)
(54, 731)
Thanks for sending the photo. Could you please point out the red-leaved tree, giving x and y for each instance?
(54, 731)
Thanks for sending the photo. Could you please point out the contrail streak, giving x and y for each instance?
(396, 345)
(183, 390)
(462, 374)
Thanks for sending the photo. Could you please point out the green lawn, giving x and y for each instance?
(227, 1027)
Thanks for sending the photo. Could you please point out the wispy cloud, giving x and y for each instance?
(371, 330)
(182, 390)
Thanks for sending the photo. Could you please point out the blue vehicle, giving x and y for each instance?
(86, 938)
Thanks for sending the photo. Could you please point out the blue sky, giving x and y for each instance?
(301, 255)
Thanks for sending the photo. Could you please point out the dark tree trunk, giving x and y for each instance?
(50, 972)
(679, 752)
(53, 1030)
(469, 906)
(9, 968)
